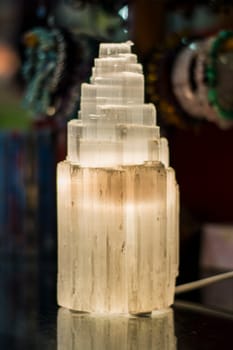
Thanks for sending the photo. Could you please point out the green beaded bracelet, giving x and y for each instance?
(211, 74)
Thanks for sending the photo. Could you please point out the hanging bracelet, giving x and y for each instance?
(211, 74)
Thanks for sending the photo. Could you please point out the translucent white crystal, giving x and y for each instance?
(113, 111)
(112, 49)
(118, 201)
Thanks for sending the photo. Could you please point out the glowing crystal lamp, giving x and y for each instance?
(118, 201)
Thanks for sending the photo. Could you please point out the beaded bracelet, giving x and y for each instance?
(211, 114)
(61, 56)
(43, 67)
(158, 67)
(211, 74)
(187, 96)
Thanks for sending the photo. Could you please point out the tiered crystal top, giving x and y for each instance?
(115, 127)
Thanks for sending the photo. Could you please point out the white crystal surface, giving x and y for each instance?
(118, 200)
(115, 126)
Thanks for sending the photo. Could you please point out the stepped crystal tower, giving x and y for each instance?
(118, 201)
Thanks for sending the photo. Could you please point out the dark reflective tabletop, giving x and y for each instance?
(30, 318)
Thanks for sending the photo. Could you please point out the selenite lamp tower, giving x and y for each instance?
(118, 201)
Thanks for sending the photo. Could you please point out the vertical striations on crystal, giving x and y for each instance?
(118, 200)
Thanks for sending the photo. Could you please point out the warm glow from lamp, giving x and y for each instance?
(9, 61)
(117, 197)
(104, 332)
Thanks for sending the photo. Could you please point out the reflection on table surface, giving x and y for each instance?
(30, 319)
(95, 332)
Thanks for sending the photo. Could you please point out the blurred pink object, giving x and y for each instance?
(217, 246)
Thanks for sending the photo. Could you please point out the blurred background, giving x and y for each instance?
(34, 113)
